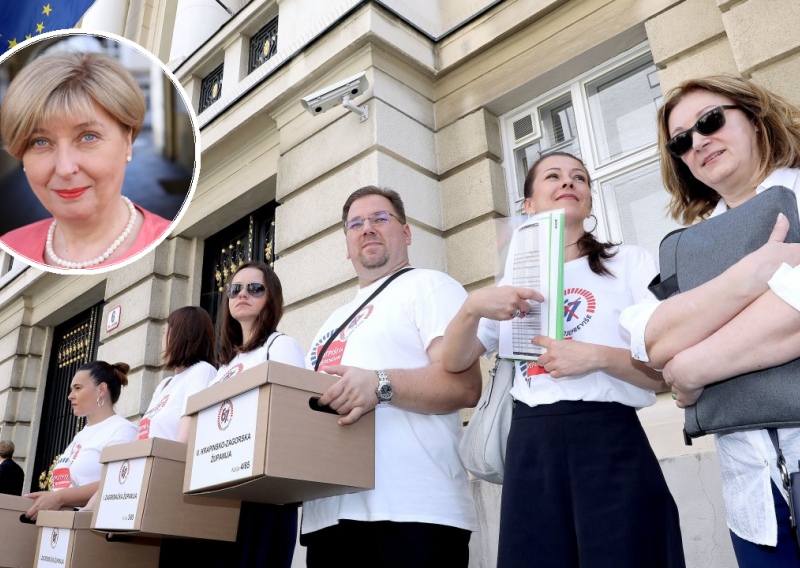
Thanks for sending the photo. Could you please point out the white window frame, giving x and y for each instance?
(608, 226)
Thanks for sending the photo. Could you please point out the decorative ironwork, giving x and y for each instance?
(238, 243)
(263, 45)
(74, 343)
(211, 88)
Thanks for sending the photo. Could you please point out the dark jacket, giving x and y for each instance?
(11, 477)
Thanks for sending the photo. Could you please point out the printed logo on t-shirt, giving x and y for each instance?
(54, 538)
(124, 471)
(225, 414)
(144, 423)
(61, 478)
(333, 355)
(579, 307)
(233, 371)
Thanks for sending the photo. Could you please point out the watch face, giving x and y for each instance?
(385, 392)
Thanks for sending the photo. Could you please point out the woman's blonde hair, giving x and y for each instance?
(64, 85)
(777, 124)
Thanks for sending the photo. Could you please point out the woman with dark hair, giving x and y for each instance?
(582, 486)
(725, 140)
(188, 345)
(94, 390)
(249, 336)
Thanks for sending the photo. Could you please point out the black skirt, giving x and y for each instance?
(583, 488)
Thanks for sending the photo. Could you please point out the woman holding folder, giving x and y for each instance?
(248, 337)
(582, 486)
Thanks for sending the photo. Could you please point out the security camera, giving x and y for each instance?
(340, 93)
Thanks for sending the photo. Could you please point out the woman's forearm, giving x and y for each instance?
(78, 496)
(461, 346)
(619, 364)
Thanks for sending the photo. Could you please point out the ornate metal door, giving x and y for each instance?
(249, 238)
(74, 343)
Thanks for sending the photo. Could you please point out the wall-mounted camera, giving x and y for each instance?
(341, 93)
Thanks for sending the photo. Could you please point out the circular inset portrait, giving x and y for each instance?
(101, 152)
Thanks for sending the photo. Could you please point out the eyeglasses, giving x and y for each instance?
(379, 218)
(254, 289)
(706, 125)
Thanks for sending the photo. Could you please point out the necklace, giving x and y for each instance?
(103, 257)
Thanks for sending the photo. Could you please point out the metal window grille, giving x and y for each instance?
(74, 343)
(263, 45)
(211, 88)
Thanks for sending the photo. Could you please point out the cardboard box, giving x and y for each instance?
(256, 438)
(17, 540)
(141, 493)
(65, 541)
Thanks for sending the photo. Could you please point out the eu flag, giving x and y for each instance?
(24, 19)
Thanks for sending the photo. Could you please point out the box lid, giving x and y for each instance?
(264, 373)
(64, 519)
(15, 502)
(156, 447)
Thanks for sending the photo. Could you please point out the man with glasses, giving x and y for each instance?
(387, 351)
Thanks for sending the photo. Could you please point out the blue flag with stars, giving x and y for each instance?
(24, 19)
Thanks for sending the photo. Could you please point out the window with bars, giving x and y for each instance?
(263, 45)
(607, 118)
(211, 88)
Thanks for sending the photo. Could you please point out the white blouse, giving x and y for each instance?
(747, 460)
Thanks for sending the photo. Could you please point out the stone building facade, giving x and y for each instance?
(462, 95)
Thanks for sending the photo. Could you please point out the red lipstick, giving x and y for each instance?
(71, 193)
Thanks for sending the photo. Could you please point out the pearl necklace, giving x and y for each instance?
(103, 257)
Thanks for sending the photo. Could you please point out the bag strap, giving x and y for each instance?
(273, 341)
(355, 313)
(784, 472)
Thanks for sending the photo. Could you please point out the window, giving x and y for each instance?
(211, 88)
(607, 117)
(263, 45)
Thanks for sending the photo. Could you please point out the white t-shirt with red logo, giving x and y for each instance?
(168, 405)
(418, 476)
(592, 305)
(80, 462)
(282, 349)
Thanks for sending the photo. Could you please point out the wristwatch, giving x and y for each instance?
(384, 391)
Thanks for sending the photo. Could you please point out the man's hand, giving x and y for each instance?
(44, 501)
(353, 395)
(567, 358)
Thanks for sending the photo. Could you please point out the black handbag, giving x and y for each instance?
(689, 257)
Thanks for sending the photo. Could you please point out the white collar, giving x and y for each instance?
(787, 177)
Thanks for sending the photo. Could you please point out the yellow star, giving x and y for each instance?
(47, 10)
(28, 36)
(12, 43)
(39, 27)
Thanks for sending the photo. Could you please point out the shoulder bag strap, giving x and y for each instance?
(273, 341)
(358, 309)
(784, 473)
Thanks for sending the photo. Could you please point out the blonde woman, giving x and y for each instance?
(72, 118)
(723, 141)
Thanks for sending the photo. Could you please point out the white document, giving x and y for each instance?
(225, 441)
(53, 547)
(536, 260)
(122, 489)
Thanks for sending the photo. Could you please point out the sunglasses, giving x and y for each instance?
(379, 218)
(254, 290)
(706, 125)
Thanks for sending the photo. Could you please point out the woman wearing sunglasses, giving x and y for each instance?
(249, 336)
(725, 140)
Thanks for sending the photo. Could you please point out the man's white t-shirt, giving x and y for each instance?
(168, 405)
(278, 347)
(592, 305)
(80, 463)
(418, 476)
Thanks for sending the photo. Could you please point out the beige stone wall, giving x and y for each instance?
(751, 38)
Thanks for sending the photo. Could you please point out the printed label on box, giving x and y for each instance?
(53, 547)
(122, 489)
(225, 441)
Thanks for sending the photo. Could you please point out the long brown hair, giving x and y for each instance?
(777, 124)
(596, 253)
(230, 337)
(190, 338)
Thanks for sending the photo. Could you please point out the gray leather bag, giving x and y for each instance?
(690, 257)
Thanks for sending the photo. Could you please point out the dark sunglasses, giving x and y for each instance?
(254, 289)
(706, 125)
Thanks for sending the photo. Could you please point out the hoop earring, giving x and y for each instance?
(101, 401)
(595, 224)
